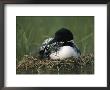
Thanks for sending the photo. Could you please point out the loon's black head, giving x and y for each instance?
(63, 35)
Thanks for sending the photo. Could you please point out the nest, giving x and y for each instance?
(33, 65)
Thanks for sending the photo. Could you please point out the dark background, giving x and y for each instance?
(57, 1)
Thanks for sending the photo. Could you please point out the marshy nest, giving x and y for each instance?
(33, 65)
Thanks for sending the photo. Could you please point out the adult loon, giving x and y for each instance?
(61, 46)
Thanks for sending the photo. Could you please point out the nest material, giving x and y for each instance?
(34, 65)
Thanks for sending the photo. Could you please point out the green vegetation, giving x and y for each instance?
(31, 31)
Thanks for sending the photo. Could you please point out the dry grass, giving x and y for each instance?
(34, 65)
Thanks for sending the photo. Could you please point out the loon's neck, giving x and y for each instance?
(68, 44)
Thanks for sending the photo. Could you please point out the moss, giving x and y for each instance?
(33, 65)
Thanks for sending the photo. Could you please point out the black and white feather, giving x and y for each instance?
(60, 47)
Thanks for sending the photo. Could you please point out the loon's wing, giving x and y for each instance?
(45, 43)
(76, 47)
(44, 49)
